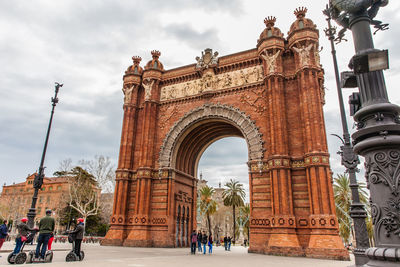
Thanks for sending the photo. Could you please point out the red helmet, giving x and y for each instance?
(80, 220)
(24, 220)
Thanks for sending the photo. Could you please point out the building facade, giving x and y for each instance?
(272, 96)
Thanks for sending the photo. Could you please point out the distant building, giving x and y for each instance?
(16, 199)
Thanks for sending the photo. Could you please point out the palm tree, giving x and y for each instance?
(208, 206)
(342, 195)
(234, 196)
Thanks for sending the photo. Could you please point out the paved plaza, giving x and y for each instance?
(99, 256)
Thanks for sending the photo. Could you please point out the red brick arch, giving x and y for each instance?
(273, 97)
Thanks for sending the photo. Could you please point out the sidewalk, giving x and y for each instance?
(99, 256)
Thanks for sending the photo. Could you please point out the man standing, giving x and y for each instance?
(199, 240)
(46, 228)
(204, 240)
(193, 238)
(226, 243)
(78, 236)
(3, 233)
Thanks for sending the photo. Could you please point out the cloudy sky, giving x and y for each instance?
(87, 45)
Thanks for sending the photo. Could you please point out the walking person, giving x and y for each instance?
(78, 236)
(226, 243)
(199, 237)
(204, 240)
(3, 233)
(210, 244)
(46, 228)
(193, 238)
(23, 230)
(229, 243)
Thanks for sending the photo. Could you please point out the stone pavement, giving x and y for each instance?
(99, 256)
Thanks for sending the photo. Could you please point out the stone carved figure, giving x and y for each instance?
(207, 59)
(200, 62)
(304, 54)
(128, 93)
(147, 88)
(317, 56)
(270, 60)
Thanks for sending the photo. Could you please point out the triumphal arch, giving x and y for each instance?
(272, 96)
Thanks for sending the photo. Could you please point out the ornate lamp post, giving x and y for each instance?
(349, 161)
(37, 183)
(378, 128)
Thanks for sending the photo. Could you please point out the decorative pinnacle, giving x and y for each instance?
(156, 54)
(270, 21)
(300, 12)
(136, 60)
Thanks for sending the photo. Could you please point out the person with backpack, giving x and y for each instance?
(210, 244)
(199, 237)
(23, 230)
(193, 239)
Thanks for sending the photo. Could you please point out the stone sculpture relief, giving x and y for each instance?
(211, 82)
(128, 93)
(270, 60)
(147, 88)
(304, 54)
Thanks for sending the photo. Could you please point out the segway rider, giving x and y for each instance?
(3, 233)
(46, 228)
(78, 233)
(23, 230)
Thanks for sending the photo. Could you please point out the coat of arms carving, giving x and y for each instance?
(207, 59)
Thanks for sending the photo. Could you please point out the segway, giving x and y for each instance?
(48, 257)
(21, 256)
(71, 256)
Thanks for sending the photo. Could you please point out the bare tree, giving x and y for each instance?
(65, 165)
(83, 193)
(103, 171)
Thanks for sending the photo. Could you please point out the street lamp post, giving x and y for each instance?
(350, 161)
(38, 181)
(378, 129)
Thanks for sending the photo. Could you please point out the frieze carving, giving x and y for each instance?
(258, 103)
(270, 60)
(208, 111)
(210, 82)
(148, 86)
(183, 197)
(128, 89)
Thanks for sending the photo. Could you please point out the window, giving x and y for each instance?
(39, 210)
(40, 199)
(48, 199)
(301, 24)
(50, 188)
(42, 188)
(59, 187)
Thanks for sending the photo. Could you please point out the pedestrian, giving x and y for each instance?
(199, 237)
(245, 242)
(226, 243)
(193, 238)
(210, 244)
(78, 236)
(46, 228)
(3, 233)
(204, 240)
(229, 243)
(23, 230)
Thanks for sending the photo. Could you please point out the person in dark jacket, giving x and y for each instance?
(199, 240)
(23, 230)
(3, 233)
(210, 244)
(78, 236)
(193, 240)
(204, 240)
(229, 243)
(46, 229)
(226, 243)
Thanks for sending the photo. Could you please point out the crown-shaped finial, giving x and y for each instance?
(300, 12)
(156, 54)
(136, 60)
(270, 21)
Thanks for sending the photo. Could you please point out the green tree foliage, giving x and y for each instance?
(208, 206)
(342, 195)
(233, 196)
(245, 217)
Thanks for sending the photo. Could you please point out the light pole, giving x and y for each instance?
(378, 128)
(38, 181)
(349, 161)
